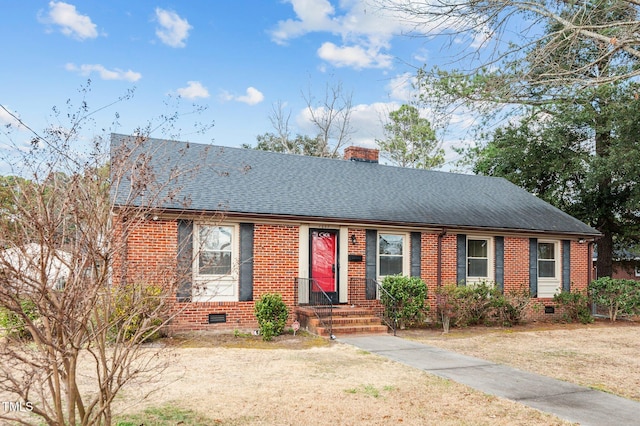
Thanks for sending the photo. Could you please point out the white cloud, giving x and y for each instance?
(105, 74)
(364, 35)
(251, 97)
(8, 118)
(353, 56)
(173, 30)
(401, 87)
(194, 90)
(71, 23)
(313, 15)
(364, 27)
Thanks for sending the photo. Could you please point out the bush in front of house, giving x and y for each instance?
(272, 314)
(473, 303)
(575, 306)
(137, 312)
(509, 309)
(620, 296)
(408, 294)
(480, 303)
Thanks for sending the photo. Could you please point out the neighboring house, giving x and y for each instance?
(258, 222)
(626, 265)
(34, 265)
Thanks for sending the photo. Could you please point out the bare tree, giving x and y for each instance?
(74, 315)
(507, 32)
(331, 117)
(331, 120)
(279, 119)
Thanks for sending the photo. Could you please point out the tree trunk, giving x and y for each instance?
(604, 264)
(604, 202)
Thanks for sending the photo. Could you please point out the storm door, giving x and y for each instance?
(324, 264)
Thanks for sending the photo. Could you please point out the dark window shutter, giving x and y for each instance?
(246, 262)
(499, 277)
(566, 265)
(371, 267)
(461, 260)
(416, 243)
(185, 260)
(533, 267)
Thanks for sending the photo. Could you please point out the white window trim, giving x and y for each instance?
(552, 285)
(637, 271)
(207, 287)
(406, 255)
(490, 278)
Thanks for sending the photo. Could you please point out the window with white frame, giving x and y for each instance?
(548, 268)
(392, 255)
(215, 262)
(637, 270)
(479, 259)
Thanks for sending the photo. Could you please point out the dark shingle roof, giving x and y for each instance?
(235, 180)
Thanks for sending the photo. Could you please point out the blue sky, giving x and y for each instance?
(236, 58)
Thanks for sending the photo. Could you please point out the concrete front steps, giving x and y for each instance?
(347, 320)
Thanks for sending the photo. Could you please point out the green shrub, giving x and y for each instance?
(272, 314)
(137, 311)
(575, 305)
(509, 309)
(410, 294)
(480, 303)
(473, 303)
(13, 323)
(618, 295)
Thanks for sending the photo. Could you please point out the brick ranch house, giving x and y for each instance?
(259, 222)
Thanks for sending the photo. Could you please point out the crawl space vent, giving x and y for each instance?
(217, 318)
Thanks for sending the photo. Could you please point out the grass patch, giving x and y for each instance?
(167, 415)
(246, 340)
(370, 390)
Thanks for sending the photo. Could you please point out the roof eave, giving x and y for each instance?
(586, 236)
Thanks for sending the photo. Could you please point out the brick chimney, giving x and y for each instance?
(358, 153)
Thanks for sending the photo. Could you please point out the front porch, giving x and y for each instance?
(340, 320)
(319, 314)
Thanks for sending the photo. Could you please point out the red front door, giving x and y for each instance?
(324, 262)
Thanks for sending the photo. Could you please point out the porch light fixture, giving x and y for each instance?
(581, 240)
(353, 239)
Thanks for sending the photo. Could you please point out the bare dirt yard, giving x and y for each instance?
(240, 380)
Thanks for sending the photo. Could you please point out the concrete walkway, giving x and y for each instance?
(568, 401)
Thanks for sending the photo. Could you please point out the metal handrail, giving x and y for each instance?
(321, 304)
(389, 318)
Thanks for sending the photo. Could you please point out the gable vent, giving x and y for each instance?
(217, 318)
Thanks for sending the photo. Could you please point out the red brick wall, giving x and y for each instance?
(152, 247)
(357, 270)
(275, 264)
(516, 264)
(580, 265)
(275, 268)
(625, 270)
(148, 252)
